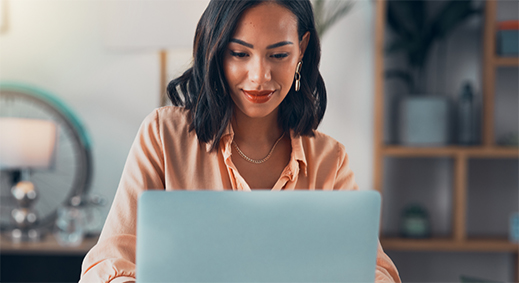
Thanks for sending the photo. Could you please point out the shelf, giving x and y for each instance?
(459, 155)
(451, 151)
(49, 246)
(450, 245)
(506, 61)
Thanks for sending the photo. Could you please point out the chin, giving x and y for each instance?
(257, 114)
(256, 111)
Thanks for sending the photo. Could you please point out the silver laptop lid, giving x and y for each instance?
(261, 236)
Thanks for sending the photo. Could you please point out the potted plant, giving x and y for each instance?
(424, 119)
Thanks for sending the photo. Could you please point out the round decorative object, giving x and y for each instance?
(70, 172)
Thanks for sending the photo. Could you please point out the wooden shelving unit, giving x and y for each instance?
(458, 241)
(48, 246)
(505, 62)
(451, 151)
(448, 245)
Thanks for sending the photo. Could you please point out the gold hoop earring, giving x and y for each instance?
(298, 76)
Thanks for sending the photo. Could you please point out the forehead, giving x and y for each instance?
(267, 19)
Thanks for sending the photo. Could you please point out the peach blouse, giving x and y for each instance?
(166, 155)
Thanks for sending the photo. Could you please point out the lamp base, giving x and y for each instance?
(24, 217)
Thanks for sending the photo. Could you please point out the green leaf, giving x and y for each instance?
(414, 35)
(406, 18)
(405, 76)
(338, 12)
(326, 15)
(397, 46)
(452, 15)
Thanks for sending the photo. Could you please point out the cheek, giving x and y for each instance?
(232, 73)
(284, 74)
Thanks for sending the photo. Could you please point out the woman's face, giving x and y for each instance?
(261, 58)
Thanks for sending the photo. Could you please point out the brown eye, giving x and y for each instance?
(280, 56)
(238, 54)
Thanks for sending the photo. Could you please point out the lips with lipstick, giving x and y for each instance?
(258, 96)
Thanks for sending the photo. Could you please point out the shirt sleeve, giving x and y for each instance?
(386, 271)
(112, 259)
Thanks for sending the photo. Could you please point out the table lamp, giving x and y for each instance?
(25, 145)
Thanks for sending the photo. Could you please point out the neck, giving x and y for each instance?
(256, 131)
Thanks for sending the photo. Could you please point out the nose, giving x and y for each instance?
(259, 71)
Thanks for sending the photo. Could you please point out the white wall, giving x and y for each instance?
(58, 46)
(347, 69)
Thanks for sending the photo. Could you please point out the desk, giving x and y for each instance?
(49, 246)
(44, 261)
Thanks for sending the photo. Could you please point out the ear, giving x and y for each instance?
(303, 44)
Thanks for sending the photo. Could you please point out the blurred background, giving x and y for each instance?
(413, 115)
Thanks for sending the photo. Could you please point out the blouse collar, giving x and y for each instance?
(297, 157)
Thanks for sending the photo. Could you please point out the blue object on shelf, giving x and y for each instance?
(508, 42)
(508, 38)
(514, 227)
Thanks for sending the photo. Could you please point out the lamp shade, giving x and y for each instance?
(26, 143)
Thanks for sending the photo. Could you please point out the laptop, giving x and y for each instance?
(260, 236)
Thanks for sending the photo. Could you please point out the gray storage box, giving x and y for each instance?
(424, 121)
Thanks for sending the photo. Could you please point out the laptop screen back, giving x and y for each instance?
(261, 236)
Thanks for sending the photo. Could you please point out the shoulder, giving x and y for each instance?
(167, 124)
(169, 118)
(323, 150)
(168, 113)
(324, 143)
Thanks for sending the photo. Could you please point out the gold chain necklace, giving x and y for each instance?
(256, 161)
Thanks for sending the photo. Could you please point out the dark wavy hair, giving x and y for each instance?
(203, 88)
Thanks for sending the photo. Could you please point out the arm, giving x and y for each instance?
(112, 259)
(386, 271)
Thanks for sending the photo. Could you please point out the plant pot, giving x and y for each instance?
(424, 121)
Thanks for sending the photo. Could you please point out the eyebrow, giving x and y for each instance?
(282, 43)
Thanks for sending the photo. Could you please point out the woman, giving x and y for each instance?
(245, 118)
